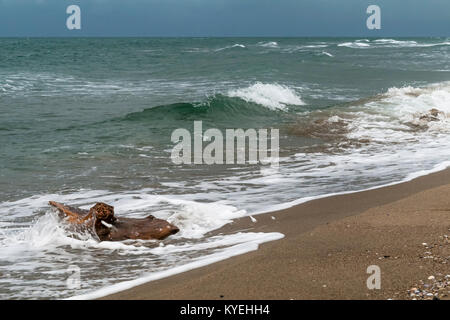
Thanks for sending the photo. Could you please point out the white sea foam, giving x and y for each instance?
(57, 85)
(313, 46)
(410, 104)
(327, 54)
(236, 45)
(395, 147)
(392, 117)
(408, 43)
(354, 45)
(273, 96)
(48, 233)
(414, 175)
(303, 48)
(247, 242)
(194, 218)
(391, 43)
(270, 44)
(32, 244)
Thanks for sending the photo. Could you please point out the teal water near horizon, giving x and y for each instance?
(89, 119)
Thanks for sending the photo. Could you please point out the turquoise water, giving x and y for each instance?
(86, 120)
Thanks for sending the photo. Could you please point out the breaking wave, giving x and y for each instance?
(269, 44)
(42, 235)
(391, 43)
(400, 115)
(272, 96)
(234, 46)
(236, 105)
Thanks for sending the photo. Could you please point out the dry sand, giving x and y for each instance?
(328, 246)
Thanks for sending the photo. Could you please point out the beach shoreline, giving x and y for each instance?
(328, 245)
(110, 137)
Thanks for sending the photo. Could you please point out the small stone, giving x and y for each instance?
(431, 278)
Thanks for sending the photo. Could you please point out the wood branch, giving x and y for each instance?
(101, 220)
(74, 215)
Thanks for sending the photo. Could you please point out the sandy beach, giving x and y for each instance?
(328, 245)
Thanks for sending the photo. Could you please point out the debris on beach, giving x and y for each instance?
(437, 286)
(105, 226)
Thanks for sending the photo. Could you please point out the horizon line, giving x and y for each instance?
(223, 36)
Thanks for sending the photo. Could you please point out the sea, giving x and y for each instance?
(86, 120)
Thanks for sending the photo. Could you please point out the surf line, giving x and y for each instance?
(190, 150)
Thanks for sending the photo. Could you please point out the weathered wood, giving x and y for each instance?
(107, 227)
(73, 214)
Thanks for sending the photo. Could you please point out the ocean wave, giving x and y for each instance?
(390, 43)
(354, 45)
(303, 48)
(62, 85)
(404, 115)
(408, 43)
(396, 42)
(220, 110)
(237, 244)
(234, 46)
(313, 46)
(387, 147)
(272, 96)
(57, 85)
(326, 54)
(32, 235)
(233, 106)
(414, 105)
(194, 217)
(269, 44)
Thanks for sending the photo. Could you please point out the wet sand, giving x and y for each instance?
(328, 245)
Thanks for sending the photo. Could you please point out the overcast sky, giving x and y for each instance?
(225, 18)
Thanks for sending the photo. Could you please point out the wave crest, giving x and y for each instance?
(236, 45)
(272, 96)
(409, 115)
(270, 44)
(390, 43)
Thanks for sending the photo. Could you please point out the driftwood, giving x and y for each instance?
(101, 220)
